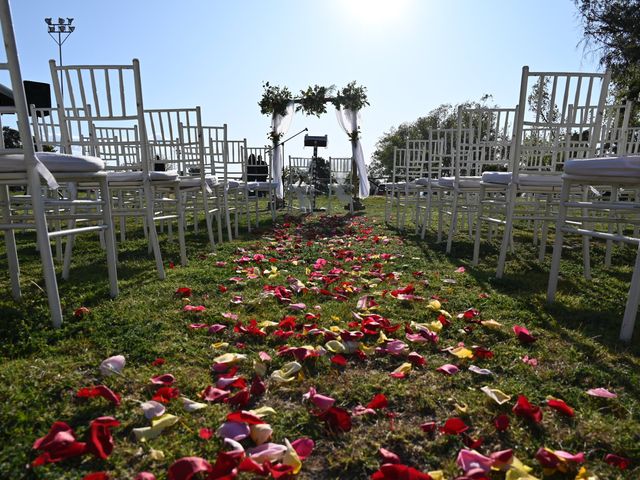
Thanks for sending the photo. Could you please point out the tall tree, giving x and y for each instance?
(612, 27)
(11, 137)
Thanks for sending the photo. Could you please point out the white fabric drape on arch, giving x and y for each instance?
(348, 120)
(280, 125)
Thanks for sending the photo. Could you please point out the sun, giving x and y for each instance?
(376, 12)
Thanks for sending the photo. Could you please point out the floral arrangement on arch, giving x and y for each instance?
(313, 100)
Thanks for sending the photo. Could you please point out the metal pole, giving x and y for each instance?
(60, 57)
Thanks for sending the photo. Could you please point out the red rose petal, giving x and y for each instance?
(617, 461)
(454, 426)
(187, 467)
(378, 401)
(501, 422)
(561, 407)
(525, 409)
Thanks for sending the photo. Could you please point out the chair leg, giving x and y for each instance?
(454, 221)
(68, 250)
(557, 245)
(631, 309)
(545, 228)
(10, 241)
(506, 236)
(608, 251)
(109, 238)
(46, 258)
(209, 220)
(180, 211)
(153, 233)
(586, 243)
(480, 214)
(440, 219)
(426, 220)
(123, 225)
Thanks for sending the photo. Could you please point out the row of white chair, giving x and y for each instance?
(561, 120)
(101, 155)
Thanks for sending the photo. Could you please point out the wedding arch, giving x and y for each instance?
(280, 104)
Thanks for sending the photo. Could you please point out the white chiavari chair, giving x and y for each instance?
(21, 166)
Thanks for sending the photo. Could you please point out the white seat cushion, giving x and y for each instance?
(261, 185)
(524, 179)
(464, 182)
(503, 178)
(425, 182)
(55, 163)
(604, 167)
(190, 181)
(233, 184)
(129, 177)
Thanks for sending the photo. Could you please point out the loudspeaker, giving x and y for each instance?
(37, 93)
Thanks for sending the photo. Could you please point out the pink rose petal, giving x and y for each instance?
(601, 392)
(448, 369)
(234, 430)
(303, 447)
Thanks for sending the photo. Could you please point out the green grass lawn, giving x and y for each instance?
(576, 349)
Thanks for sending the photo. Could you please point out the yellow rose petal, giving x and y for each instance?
(335, 346)
(261, 433)
(404, 368)
(492, 324)
(461, 352)
(263, 412)
(437, 475)
(291, 457)
(229, 358)
(156, 455)
(496, 395)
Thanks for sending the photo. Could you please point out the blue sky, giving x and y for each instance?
(412, 55)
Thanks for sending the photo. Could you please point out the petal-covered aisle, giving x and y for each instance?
(332, 348)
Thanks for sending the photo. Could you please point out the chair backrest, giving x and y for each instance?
(632, 144)
(235, 162)
(103, 96)
(176, 140)
(399, 172)
(442, 152)
(615, 124)
(214, 144)
(484, 139)
(9, 63)
(48, 134)
(299, 170)
(414, 159)
(559, 117)
(341, 170)
(259, 164)
(119, 147)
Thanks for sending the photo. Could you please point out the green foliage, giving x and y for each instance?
(274, 100)
(11, 137)
(352, 97)
(539, 100)
(613, 28)
(313, 100)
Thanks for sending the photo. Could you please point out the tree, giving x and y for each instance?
(444, 116)
(613, 28)
(11, 137)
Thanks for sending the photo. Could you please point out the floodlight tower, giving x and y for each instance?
(60, 32)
